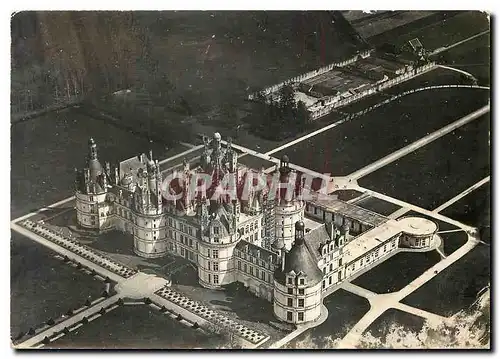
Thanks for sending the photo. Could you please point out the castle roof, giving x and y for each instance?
(300, 260)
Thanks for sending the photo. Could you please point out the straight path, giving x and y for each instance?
(462, 194)
(417, 144)
(67, 323)
(52, 206)
(446, 48)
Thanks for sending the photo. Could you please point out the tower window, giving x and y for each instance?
(301, 303)
(215, 253)
(300, 316)
(301, 281)
(290, 302)
(290, 290)
(216, 279)
(289, 316)
(239, 265)
(301, 291)
(216, 266)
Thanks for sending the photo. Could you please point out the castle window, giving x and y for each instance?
(245, 267)
(301, 281)
(170, 222)
(216, 279)
(208, 265)
(263, 275)
(216, 266)
(251, 270)
(91, 198)
(331, 267)
(340, 276)
(330, 281)
(290, 290)
(301, 303)
(182, 227)
(239, 265)
(182, 251)
(301, 291)
(215, 253)
(324, 270)
(300, 316)
(289, 316)
(256, 272)
(216, 230)
(209, 278)
(290, 280)
(340, 262)
(190, 231)
(290, 302)
(324, 284)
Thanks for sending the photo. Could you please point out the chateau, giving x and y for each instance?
(286, 249)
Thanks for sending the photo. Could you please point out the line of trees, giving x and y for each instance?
(280, 117)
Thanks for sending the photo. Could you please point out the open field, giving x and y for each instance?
(135, 327)
(435, 173)
(45, 151)
(471, 208)
(456, 287)
(397, 271)
(42, 287)
(355, 144)
(344, 310)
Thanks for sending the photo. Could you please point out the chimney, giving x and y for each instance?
(283, 252)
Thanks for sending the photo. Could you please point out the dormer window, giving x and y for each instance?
(301, 281)
(216, 231)
(290, 280)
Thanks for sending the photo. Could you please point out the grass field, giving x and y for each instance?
(456, 287)
(474, 57)
(135, 327)
(439, 171)
(43, 287)
(396, 272)
(344, 310)
(355, 144)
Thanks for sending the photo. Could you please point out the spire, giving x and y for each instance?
(299, 233)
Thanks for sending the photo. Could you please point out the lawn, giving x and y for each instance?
(438, 171)
(344, 311)
(474, 57)
(355, 144)
(135, 327)
(456, 287)
(472, 208)
(397, 271)
(43, 287)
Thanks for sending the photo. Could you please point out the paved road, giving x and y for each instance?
(417, 144)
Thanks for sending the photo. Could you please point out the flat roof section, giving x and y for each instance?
(370, 239)
(350, 210)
